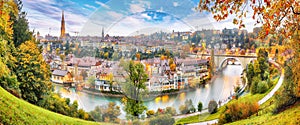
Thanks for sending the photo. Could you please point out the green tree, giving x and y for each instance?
(133, 89)
(250, 74)
(212, 106)
(262, 87)
(200, 106)
(96, 114)
(254, 84)
(91, 81)
(33, 73)
(21, 31)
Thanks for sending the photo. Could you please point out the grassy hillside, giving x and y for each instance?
(17, 111)
(290, 116)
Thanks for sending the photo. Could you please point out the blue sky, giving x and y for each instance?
(119, 17)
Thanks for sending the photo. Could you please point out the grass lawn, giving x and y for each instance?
(16, 111)
(291, 116)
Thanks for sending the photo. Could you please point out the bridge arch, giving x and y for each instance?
(228, 58)
(244, 60)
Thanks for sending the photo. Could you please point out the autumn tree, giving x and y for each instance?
(273, 15)
(138, 56)
(7, 50)
(133, 89)
(33, 73)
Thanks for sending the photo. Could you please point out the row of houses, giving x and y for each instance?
(109, 74)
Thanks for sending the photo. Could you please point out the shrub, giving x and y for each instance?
(212, 106)
(162, 120)
(136, 122)
(262, 87)
(200, 106)
(188, 107)
(170, 110)
(183, 109)
(237, 111)
(150, 113)
(236, 89)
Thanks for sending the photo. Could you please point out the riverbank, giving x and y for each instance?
(150, 95)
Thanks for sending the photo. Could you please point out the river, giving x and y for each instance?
(219, 89)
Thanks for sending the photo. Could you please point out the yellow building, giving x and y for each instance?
(61, 77)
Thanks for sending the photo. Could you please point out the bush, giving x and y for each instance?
(183, 109)
(188, 107)
(212, 106)
(162, 120)
(200, 106)
(262, 87)
(150, 113)
(236, 89)
(170, 110)
(108, 113)
(238, 111)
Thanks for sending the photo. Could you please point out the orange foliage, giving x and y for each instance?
(266, 12)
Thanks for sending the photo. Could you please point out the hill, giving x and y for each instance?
(16, 111)
(290, 116)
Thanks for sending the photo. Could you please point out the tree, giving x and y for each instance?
(188, 107)
(84, 74)
(8, 78)
(250, 74)
(111, 112)
(62, 57)
(200, 106)
(21, 31)
(96, 114)
(268, 13)
(138, 56)
(133, 89)
(110, 80)
(262, 87)
(212, 106)
(91, 81)
(254, 84)
(170, 110)
(33, 73)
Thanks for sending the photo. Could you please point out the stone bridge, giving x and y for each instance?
(220, 60)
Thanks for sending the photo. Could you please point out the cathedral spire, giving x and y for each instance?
(62, 28)
(102, 32)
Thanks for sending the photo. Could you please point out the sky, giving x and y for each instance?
(120, 17)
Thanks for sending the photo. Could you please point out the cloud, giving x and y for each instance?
(89, 6)
(102, 5)
(139, 6)
(114, 14)
(46, 14)
(175, 4)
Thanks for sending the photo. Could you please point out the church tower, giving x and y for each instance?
(102, 32)
(62, 26)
